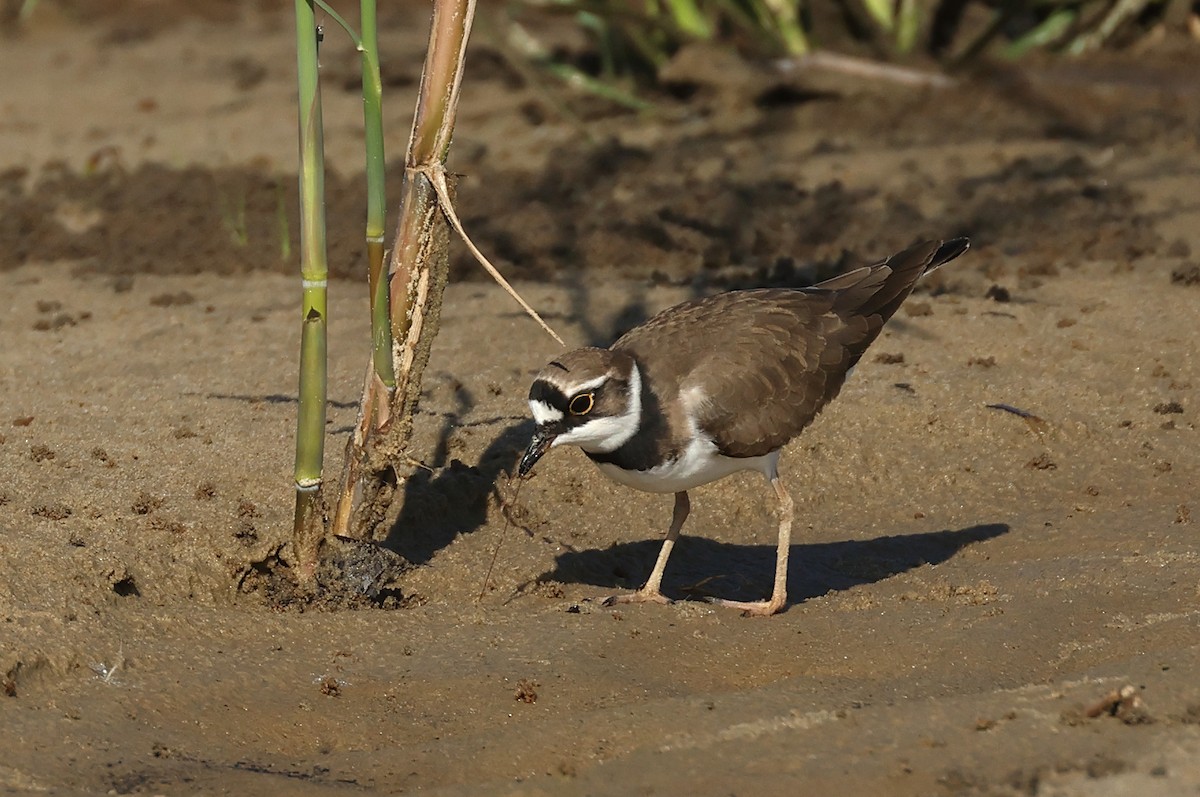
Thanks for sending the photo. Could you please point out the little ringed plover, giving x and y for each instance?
(718, 385)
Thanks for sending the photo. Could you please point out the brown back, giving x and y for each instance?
(758, 365)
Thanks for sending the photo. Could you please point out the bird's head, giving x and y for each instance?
(591, 398)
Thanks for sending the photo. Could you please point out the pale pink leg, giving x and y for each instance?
(652, 591)
(779, 593)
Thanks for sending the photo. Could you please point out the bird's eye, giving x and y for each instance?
(582, 404)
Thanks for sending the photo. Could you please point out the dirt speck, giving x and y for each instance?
(526, 691)
(123, 583)
(172, 299)
(1188, 275)
(998, 293)
(1042, 462)
(145, 503)
(168, 525)
(57, 322)
(245, 532)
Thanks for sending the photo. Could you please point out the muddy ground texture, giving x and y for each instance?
(982, 602)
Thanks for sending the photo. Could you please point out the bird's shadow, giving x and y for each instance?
(701, 568)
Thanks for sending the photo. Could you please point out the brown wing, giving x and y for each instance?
(757, 366)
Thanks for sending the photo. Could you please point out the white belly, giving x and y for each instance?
(700, 464)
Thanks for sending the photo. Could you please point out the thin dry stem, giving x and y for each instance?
(866, 69)
(436, 175)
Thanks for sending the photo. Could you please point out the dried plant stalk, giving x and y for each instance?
(417, 277)
(418, 270)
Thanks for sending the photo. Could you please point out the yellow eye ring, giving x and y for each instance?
(582, 404)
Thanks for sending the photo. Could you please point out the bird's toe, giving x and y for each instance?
(752, 608)
(641, 596)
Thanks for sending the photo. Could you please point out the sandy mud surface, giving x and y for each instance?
(981, 603)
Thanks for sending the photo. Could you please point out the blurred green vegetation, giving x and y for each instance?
(630, 41)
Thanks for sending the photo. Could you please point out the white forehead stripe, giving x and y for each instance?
(570, 390)
(543, 412)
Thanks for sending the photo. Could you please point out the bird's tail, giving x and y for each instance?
(879, 290)
(947, 251)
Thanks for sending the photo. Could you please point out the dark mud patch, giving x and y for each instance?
(683, 212)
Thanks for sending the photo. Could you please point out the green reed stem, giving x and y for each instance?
(308, 529)
(372, 89)
(367, 44)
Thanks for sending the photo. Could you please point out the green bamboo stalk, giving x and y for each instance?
(372, 88)
(309, 523)
(380, 383)
(367, 44)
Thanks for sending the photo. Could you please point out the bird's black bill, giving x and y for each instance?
(542, 438)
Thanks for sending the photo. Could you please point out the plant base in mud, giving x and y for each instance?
(348, 575)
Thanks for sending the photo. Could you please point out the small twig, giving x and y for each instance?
(507, 522)
(1036, 423)
(1113, 702)
(1014, 410)
(436, 174)
(864, 68)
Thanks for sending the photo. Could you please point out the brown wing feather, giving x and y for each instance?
(757, 366)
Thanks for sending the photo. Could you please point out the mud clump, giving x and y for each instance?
(351, 574)
(1188, 275)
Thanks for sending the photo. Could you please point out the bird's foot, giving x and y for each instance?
(641, 596)
(753, 608)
